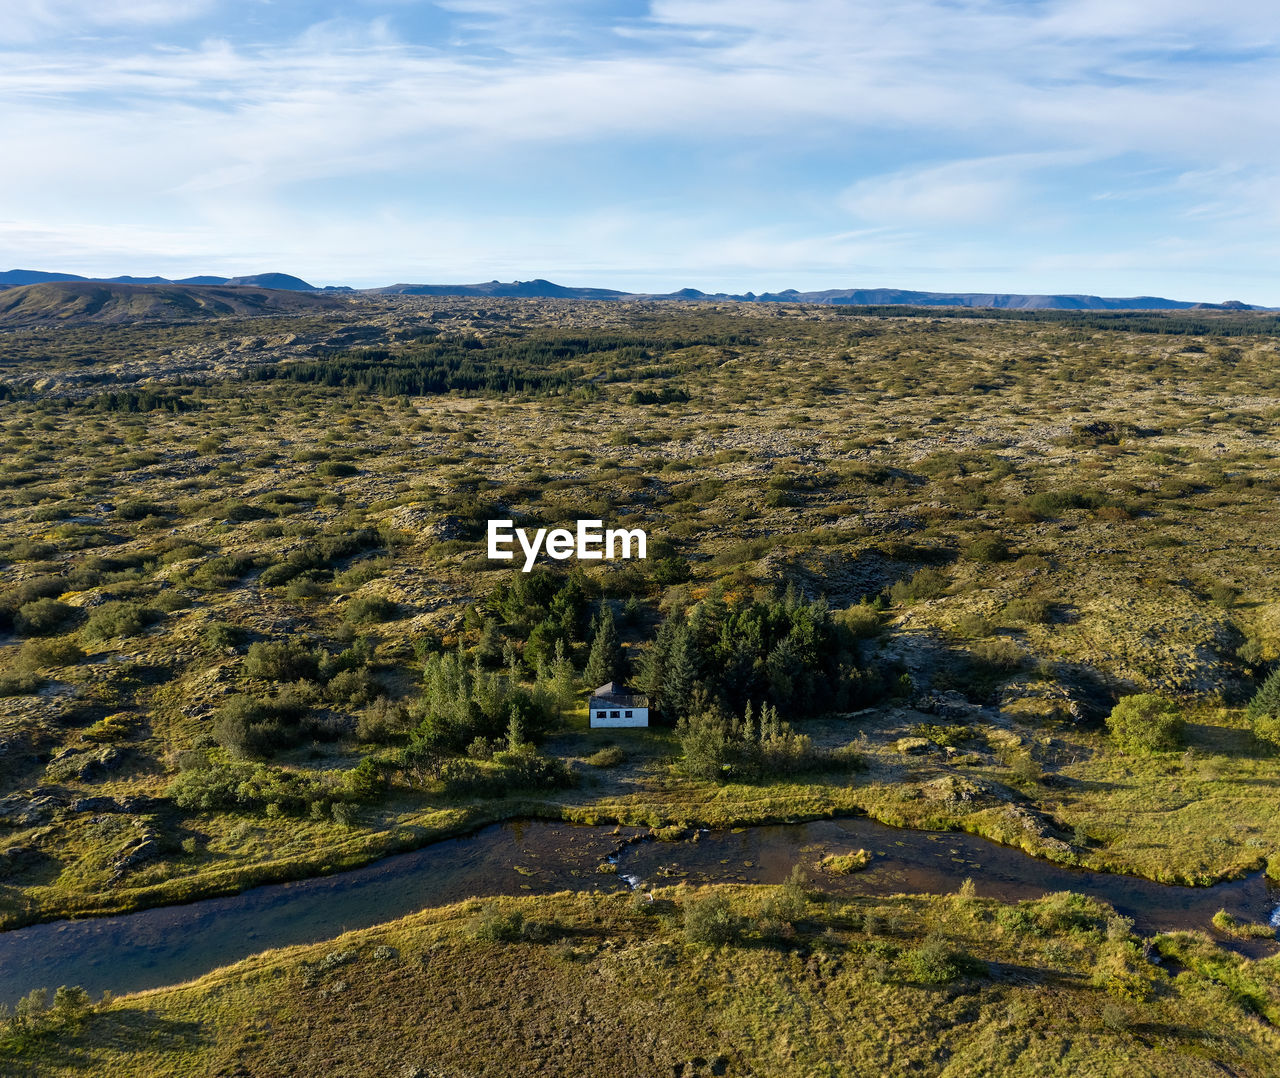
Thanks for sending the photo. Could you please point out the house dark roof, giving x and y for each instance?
(613, 693)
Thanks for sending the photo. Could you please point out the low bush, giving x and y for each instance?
(218, 636)
(925, 583)
(119, 619)
(934, 962)
(251, 788)
(986, 549)
(20, 683)
(1145, 723)
(369, 608)
(1233, 926)
(44, 616)
(282, 660)
(48, 654)
(731, 749)
(112, 728)
(609, 756)
(1027, 610)
(710, 919)
(249, 726)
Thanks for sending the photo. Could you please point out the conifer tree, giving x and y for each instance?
(681, 674)
(606, 661)
(563, 681)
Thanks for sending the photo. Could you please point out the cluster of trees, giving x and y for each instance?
(1264, 710)
(254, 725)
(203, 786)
(1170, 323)
(548, 610)
(478, 727)
(141, 400)
(788, 654)
(732, 748)
(464, 700)
(33, 1016)
(494, 366)
(321, 552)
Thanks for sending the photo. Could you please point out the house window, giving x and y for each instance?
(628, 714)
(599, 714)
(613, 715)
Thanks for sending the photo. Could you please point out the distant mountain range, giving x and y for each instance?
(541, 289)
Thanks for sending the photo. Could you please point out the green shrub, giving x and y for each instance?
(974, 625)
(506, 773)
(364, 782)
(710, 919)
(352, 688)
(495, 926)
(19, 683)
(119, 619)
(987, 548)
(1233, 926)
(28, 550)
(115, 727)
(609, 756)
(382, 720)
(218, 636)
(1145, 723)
(1001, 655)
(248, 726)
(369, 608)
(282, 660)
(137, 510)
(925, 583)
(862, 621)
(220, 572)
(248, 787)
(44, 616)
(934, 962)
(1027, 609)
(47, 654)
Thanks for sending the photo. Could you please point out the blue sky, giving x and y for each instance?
(1117, 147)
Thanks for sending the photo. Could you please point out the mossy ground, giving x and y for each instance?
(1092, 503)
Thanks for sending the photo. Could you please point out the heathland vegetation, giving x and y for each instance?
(1009, 573)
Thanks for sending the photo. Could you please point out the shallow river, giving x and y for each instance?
(176, 943)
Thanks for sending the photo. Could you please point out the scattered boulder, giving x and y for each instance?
(970, 793)
(28, 810)
(1033, 825)
(16, 858)
(77, 764)
(145, 846)
(947, 705)
(94, 804)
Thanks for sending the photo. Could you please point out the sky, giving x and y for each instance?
(1111, 147)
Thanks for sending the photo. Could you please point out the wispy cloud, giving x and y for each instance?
(33, 20)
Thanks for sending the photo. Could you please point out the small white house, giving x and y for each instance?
(617, 705)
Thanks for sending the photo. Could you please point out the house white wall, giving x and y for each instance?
(605, 715)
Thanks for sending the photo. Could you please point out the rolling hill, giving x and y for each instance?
(67, 302)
